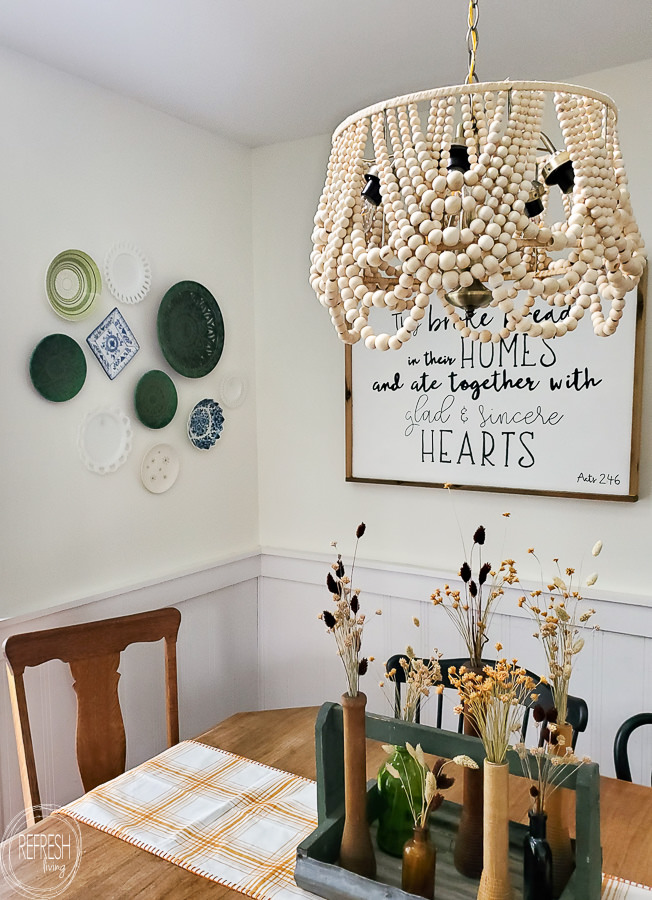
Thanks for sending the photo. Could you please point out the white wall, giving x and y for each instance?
(304, 501)
(299, 665)
(84, 168)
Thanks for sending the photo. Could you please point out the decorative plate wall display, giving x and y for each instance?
(58, 367)
(105, 440)
(205, 424)
(155, 399)
(72, 284)
(233, 390)
(190, 329)
(127, 273)
(113, 343)
(160, 468)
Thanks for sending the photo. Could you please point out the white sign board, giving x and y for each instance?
(529, 415)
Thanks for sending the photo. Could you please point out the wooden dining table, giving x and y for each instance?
(112, 869)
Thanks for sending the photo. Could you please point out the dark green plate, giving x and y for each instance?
(58, 367)
(190, 329)
(155, 399)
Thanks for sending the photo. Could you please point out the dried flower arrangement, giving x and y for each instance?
(559, 620)
(471, 609)
(347, 622)
(421, 676)
(492, 701)
(428, 798)
(549, 765)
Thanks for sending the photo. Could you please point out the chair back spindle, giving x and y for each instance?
(577, 715)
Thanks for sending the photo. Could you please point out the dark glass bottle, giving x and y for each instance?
(419, 861)
(537, 860)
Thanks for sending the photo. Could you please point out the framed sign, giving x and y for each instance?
(552, 417)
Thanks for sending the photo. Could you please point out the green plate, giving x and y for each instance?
(155, 399)
(58, 367)
(190, 329)
(72, 284)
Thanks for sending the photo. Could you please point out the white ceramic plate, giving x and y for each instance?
(160, 468)
(127, 273)
(105, 440)
(233, 390)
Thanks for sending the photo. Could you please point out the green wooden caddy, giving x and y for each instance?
(317, 870)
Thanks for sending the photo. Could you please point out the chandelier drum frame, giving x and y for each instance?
(439, 229)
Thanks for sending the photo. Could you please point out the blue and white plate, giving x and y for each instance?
(205, 424)
(113, 343)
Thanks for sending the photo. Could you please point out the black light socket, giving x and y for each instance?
(371, 190)
(559, 170)
(534, 203)
(459, 159)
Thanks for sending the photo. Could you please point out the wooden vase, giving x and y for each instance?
(563, 859)
(356, 850)
(495, 883)
(419, 861)
(467, 855)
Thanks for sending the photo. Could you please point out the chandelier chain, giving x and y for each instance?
(472, 39)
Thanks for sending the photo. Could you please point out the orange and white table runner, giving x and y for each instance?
(614, 888)
(219, 815)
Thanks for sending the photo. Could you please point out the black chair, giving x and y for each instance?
(621, 761)
(577, 711)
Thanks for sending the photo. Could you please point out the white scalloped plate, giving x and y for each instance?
(105, 440)
(160, 468)
(233, 390)
(127, 273)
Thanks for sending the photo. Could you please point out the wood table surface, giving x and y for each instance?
(111, 868)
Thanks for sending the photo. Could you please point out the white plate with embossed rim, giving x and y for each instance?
(160, 468)
(233, 390)
(127, 272)
(105, 440)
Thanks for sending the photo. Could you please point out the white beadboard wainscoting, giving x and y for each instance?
(217, 661)
(299, 666)
(250, 639)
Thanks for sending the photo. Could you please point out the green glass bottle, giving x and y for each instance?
(395, 820)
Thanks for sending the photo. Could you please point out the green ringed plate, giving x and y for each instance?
(72, 284)
(155, 399)
(190, 329)
(58, 367)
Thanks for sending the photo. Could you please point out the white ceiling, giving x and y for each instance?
(262, 71)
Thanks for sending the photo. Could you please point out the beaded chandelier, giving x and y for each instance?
(458, 194)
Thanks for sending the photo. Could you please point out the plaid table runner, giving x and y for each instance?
(216, 814)
(614, 888)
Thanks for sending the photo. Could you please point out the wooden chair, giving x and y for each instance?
(92, 651)
(577, 715)
(621, 760)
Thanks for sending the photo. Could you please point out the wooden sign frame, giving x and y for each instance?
(636, 408)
